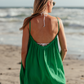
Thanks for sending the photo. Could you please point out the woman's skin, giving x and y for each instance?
(44, 34)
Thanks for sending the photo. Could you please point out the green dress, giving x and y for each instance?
(43, 64)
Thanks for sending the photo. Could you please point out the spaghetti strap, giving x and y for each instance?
(29, 26)
(58, 24)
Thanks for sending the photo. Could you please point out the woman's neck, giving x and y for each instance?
(44, 13)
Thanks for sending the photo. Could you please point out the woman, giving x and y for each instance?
(41, 60)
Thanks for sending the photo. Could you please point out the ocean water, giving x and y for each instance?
(11, 19)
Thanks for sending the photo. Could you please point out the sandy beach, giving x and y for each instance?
(10, 58)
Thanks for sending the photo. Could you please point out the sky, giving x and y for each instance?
(23, 3)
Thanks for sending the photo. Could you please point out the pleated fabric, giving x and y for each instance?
(43, 64)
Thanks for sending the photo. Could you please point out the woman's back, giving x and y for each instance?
(44, 34)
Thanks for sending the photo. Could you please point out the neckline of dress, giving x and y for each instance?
(41, 45)
(37, 43)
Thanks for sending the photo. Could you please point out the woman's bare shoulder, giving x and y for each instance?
(24, 21)
(55, 19)
(52, 17)
(60, 22)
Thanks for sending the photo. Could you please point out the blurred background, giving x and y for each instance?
(12, 14)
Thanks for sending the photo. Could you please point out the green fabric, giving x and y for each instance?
(43, 64)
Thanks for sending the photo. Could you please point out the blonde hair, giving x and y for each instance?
(39, 6)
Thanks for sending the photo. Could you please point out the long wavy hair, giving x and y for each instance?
(39, 6)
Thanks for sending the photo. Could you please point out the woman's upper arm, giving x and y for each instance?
(61, 36)
(25, 38)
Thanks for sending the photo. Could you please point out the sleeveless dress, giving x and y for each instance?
(43, 64)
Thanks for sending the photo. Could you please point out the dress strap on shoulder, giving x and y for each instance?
(58, 24)
(30, 26)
